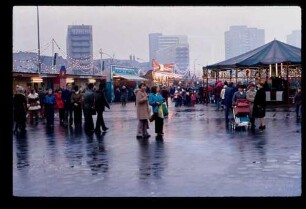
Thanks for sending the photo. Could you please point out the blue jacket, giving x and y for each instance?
(153, 98)
(49, 99)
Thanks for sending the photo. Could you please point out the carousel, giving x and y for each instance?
(277, 64)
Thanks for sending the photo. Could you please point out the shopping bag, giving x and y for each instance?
(165, 109)
(160, 111)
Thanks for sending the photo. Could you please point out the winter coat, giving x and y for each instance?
(142, 105)
(59, 101)
(76, 99)
(229, 92)
(50, 99)
(19, 104)
(153, 98)
(100, 101)
(298, 98)
(33, 102)
(250, 95)
(238, 95)
(88, 101)
(259, 109)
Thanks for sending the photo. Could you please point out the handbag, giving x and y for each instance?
(152, 118)
(165, 109)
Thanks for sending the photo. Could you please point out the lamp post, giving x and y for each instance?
(194, 66)
(38, 42)
(110, 83)
(101, 60)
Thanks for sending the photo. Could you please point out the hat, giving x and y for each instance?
(251, 85)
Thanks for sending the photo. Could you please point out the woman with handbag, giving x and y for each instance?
(259, 108)
(156, 101)
(143, 111)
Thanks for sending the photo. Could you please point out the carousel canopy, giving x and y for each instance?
(270, 53)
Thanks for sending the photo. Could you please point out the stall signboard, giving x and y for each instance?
(115, 70)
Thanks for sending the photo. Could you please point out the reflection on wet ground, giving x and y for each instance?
(199, 155)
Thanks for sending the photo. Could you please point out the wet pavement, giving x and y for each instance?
(199, 156)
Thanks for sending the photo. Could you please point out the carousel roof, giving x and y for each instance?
(270, 53)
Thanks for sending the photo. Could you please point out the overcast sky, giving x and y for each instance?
(123, 30)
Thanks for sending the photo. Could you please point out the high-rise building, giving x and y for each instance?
(241, 39)
(294, 38)
(177, 54)
(169, 49)
(153, 44)
(80, 49)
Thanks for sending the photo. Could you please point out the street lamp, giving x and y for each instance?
(101, 60)
(39, 64)
(194, 66)
(205, 75)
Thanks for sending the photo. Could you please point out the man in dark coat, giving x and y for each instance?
(20, 110)
(66, 96)
(100, 104)
(88, 104)
(259, 109)
(228, 96)
(298, 102)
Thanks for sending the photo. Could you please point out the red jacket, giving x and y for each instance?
(59, 101)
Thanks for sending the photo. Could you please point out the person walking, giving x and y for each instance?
(49, 104)
(222, 96)
(33, 106)
(124, 96)
(259, 109)
(143, 111)
(298, 103)
(250, 95)
(60, 105)
(228, 96)
(156, 100)
(88, 105)
(76, 101)
(66, 95)
(100, 104)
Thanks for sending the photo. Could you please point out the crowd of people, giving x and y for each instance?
(71, 102)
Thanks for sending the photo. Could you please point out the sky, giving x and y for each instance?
(124, 30)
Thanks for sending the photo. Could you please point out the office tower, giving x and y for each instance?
(241, 39)
(80, 49)
(169, 49)
(294, 38)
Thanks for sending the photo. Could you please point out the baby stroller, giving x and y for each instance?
(241, 112)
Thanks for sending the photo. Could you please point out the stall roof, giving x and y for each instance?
(132, 77)
(270, 53)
